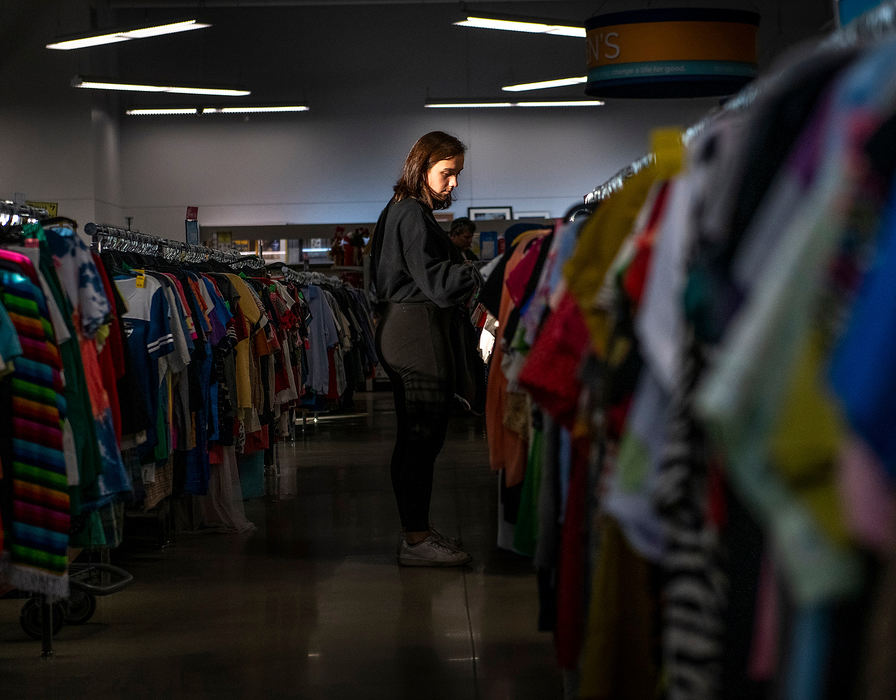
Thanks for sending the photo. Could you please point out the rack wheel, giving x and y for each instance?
(79, 607)
(31, 617)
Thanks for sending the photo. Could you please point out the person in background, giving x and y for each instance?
(422, 286)
(461, 235)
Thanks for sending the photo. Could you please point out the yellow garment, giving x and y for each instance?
(807, 439)
(619, 659)
(598, 244)
(102, 334)
(243, 350)
(518, 413)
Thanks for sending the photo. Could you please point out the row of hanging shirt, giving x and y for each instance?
(341, 342)
(265, 346)
(131, 375)
(709, 483)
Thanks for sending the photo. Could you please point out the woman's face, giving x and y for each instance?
(442, 177)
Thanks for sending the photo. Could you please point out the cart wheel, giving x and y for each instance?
(31, 617)
(79, 607)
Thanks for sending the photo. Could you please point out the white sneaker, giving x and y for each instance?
(451, 541)
(454, 542)
(431, 552)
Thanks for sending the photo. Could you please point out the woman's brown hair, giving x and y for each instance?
(429, 150)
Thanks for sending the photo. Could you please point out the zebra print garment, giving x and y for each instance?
(695, 587)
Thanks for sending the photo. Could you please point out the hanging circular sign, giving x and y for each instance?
(673, 52)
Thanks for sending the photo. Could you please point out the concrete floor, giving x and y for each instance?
(312, 604)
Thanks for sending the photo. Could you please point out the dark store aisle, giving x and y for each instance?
(312, 604)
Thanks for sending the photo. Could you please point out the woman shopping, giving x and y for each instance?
(422, 287)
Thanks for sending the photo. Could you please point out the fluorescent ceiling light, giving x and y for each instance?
(506, 105)
(79, 82)
(252, 110)
(126, 35)
(559, 82)
(467, 105)
(562, 103)
(160, 111)
(522, 26)
(224, 92)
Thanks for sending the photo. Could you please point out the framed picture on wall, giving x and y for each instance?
(489, 213)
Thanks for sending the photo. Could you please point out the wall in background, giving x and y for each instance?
(337, 163)
(306, 169)
(59, 144)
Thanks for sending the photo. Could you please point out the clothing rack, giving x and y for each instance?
(12, 214)
(319, 279)
(42, 618)
(117, 238)
(237, 259)
(616, 182)
(875, 25)
(310, 277)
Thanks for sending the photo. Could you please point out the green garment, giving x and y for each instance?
(78, 408)
(525, 532)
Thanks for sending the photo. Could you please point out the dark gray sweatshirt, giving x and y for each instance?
(414, 261)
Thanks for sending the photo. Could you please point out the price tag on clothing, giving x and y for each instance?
(141, 279)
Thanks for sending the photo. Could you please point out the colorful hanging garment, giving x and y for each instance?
(37, 542)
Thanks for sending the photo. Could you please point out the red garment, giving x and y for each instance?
(281, 376)
(240, 323)
(286, 319)
(256, 441)
(570, 629)
(332, 391)
(111, 358)
(215, 453)
(617, 416)
(551, 371)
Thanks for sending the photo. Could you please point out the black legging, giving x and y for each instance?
(412, 341)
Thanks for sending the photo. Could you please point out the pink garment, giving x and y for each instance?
(867, 496)
(764, 650)
(23, 262)
(517, 279)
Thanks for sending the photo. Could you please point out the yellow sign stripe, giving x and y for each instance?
(671, 41)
